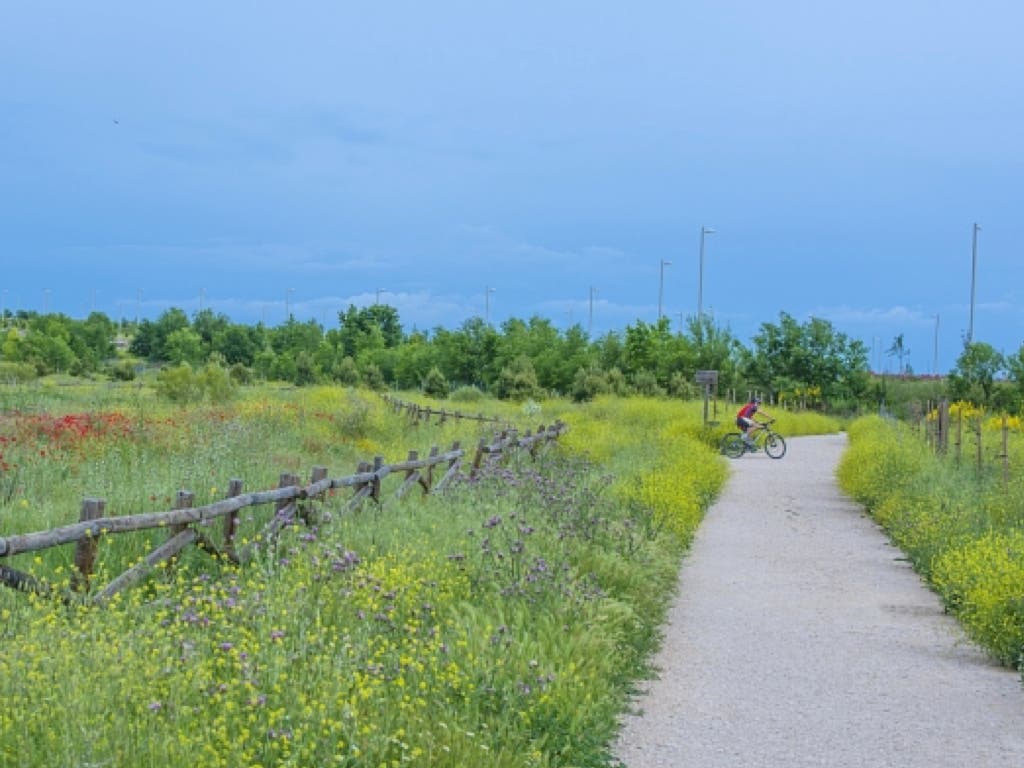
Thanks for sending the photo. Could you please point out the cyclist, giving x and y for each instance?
(745, 420)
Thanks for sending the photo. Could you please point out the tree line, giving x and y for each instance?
(809, 362)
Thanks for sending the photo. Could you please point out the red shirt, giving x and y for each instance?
(747, 411)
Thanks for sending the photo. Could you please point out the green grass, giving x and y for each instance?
(503, 623)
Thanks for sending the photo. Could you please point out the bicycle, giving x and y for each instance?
(774, 445)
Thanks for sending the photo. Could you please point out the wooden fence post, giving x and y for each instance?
(378, 462)
(942, 427)
(231, 520)
(319, 473)
(429, 484)
(182, 500)
(977, 433)
(1006, 453)
(959, 434)
(85, 549)
(478, 457)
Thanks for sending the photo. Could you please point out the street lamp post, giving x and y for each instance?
(974, 269)
(935, 361)
(700, 275)
(661, 284)
(487, 304)
(590, 316)
(379, 292)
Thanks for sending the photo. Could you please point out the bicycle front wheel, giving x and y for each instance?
(775, 446)
(732, 445)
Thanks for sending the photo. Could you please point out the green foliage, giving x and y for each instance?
(518, 380)
(645, 383)
(346, 372)
(373, 378)
(504, 623)
(973, 377)
(981, 582)
(466, 394)
(435, 384)
(809, 356)
(182, 385)
(588, 383)
(16, 373)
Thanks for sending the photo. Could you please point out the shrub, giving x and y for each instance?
(16, 373)
(435, 384)
(467, 394)
(518, 380)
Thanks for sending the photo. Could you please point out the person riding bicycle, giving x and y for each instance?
(745, 420)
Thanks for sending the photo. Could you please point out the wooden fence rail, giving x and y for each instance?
(419, 413)
(187, 524)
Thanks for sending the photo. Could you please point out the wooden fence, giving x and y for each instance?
(293, 502)
(418, 413)
(945, 429)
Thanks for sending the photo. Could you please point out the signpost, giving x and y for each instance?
(709, 380)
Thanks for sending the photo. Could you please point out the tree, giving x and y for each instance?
(810, 357)
(973, 377)
(899, 351)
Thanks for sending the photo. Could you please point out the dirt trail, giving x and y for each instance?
(800, 637)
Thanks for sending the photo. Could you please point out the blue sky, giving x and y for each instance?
(252, 157)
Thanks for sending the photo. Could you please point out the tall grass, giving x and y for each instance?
(502, 623)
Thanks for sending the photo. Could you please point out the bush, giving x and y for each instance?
(435, 384)
(122, 370)
(588, 383)
(345, 372)
(518, 380)
(467, 394)
(179, 384)
(646, 383)
(16, 373)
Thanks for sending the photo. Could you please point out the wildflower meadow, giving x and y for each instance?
(503, 622)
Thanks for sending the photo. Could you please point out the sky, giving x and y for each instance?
(498, 160)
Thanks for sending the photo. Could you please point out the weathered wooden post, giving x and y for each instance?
(959, 434)
(977, 432)
(182, 500)
(319, 473)
(478, 457)
(428, 482)
(378, 462)
(942, 427)
(231, 520)
(85, 549)
(1006, 453)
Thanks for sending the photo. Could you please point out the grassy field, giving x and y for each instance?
(501, 623)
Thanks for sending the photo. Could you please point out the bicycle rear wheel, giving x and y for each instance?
(775, 446)
(733, 446)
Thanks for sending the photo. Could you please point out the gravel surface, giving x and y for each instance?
(801, 637)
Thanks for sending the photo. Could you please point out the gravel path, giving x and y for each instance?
(800, 637)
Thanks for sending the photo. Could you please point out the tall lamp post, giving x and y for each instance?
(661, 284)
(379, 292)
(700, 276)
(487, 304)
(590, 317)
(974, 269)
